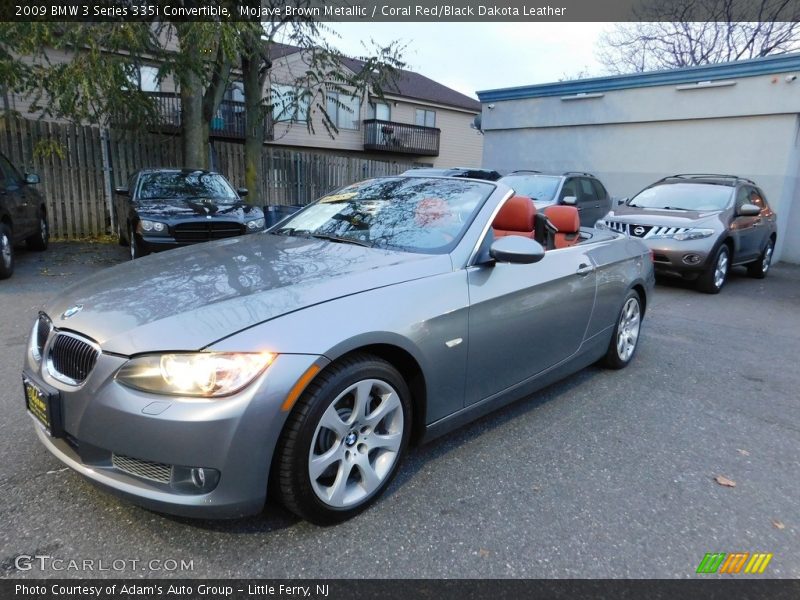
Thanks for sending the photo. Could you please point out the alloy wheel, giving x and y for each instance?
(356, 443)
(43, 230)
(628, 329)
(721, 269)
(6, 250)
(767, 260)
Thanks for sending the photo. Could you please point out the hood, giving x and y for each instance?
(661, 217)
(172, 208)
(188, 298)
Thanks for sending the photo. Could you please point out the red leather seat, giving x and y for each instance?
(516, 217)
(568, 223)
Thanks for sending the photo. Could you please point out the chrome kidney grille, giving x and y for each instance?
(70, 358)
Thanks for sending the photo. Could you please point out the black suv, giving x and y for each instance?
(23, 216)
(583, 190)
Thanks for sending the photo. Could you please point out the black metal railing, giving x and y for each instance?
(402, 138)
(228, 122)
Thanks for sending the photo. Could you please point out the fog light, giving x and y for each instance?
(199, 477)
(691, 259)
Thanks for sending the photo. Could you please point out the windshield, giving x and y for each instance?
(541, 188)
(684, 196)
(404, 213)
(185, 184)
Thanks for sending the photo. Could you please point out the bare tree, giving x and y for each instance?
(679, 33)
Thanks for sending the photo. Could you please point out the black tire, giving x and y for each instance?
(39, 240)
(709, 281)
(6, 252)
(120, 237)
(759, 268)
(136, 250)
(303, 434)
(618, 357)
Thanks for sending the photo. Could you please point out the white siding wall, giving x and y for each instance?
(630, 138)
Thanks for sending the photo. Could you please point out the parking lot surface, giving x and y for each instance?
(605, 474)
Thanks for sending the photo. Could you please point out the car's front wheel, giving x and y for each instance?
(759, 268)
(135, 249)
(344, 440)
(714, 277)
(625, 339)
(6, 252)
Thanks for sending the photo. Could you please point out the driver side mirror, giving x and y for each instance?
(621, 201)
(122, 191)
(748, 210)
(516, 249)
(569, 200)
(242, 192)
(31, 178)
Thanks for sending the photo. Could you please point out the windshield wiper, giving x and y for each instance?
(339, 239)
(674, 208)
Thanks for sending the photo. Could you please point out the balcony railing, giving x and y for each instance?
(402, 138)
(228, 122)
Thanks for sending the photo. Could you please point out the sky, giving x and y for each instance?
(480, 56)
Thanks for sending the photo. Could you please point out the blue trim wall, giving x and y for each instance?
(744, 68)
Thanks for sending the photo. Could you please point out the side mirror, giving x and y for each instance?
(516, 249)
(122, 191)
(748, 210)
(621, 201)
(569, 200)
(32, 178)
(242, 192)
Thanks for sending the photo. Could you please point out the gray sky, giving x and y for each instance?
(478, 56)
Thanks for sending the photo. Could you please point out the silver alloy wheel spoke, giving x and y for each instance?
(628, 329)
(5, 248)
(356, 443)
(767, 258)
(43, 228)
(721, 270)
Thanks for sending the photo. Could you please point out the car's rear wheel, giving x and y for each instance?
(40, 239)
(714, 277)
(625, 339)
(6, 252)
(344, 440)
(759, 268)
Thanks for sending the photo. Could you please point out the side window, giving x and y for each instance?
(10, 174)
(570, 189)
(599, 190)
(587, 193)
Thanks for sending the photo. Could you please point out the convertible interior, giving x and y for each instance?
(554, 228)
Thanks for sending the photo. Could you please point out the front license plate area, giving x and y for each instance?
(44, 406)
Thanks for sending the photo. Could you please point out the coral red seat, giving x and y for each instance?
(516, 217)
(568, 223)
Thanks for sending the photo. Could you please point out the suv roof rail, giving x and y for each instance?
(707, 176)
(523, 171)
(578, 173)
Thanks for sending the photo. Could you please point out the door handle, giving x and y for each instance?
(584, 269)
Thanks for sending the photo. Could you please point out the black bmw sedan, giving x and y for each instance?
(167, 208)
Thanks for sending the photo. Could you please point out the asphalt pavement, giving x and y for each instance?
(605, 474)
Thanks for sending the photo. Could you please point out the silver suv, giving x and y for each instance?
(699, 226)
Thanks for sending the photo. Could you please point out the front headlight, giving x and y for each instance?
(693, 234)
(147, 226)
(39, 334)
(199, 374)
(255, 224)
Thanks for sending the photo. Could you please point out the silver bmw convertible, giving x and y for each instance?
(305, 360)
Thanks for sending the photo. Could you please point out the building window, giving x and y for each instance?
(288, 103)
(426, 118)
(381, 111)
(344, 110)
(145, 79)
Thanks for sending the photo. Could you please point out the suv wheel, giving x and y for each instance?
(714, 277)
(759, 268)
(6, 252)
(40, 239)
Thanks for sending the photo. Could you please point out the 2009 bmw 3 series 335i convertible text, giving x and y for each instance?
(305, 359)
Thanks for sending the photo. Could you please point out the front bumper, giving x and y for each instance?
(685, 258)
(236, 436)
(158, 243)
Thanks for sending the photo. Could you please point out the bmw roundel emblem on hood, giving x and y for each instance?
(72, 311)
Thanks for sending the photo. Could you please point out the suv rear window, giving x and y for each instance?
(684, 196)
